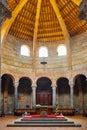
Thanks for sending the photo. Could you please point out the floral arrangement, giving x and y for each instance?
(56, 110)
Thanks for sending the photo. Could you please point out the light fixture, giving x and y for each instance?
(43, 62)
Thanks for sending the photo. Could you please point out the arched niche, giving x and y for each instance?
(63, 92)
(44, 91)
(80, 93)
(7, 93)
(24, 92)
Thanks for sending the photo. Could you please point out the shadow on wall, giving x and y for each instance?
(80, 93)
(63, 91)
(7, 93)
(24, 92)
(44, 91)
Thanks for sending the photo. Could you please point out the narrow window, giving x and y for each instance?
(61, 50)
(43, 52)
(25, 51)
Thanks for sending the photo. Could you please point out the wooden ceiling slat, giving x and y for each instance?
(77, 2)
(20, 30)
(12, 4)
(50, 39)
(65, 6)
(49, 30)
(25, 19)
(50, 34)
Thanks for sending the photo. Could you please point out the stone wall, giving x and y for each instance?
(18, 66)
(79, 54)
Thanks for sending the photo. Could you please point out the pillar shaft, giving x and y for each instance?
(34, 96)
(54, 96)
(16, 96)
(0, 94)
(71, 94)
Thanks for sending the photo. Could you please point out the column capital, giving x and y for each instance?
(53, 87)
(34, 85)
(71, 83)
(16, 84)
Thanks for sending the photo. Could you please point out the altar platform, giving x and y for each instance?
(43, 121)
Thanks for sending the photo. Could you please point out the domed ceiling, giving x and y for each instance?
(45, 20)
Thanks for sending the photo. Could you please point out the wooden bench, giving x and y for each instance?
(22, 111)
(66, 111)
(85, 112)
(1, 113)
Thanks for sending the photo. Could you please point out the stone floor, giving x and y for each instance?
(80, 119)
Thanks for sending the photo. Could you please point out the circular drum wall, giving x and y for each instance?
(17, 65)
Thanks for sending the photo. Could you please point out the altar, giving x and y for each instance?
(47, 108)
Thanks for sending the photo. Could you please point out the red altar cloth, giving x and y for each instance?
(27, 117)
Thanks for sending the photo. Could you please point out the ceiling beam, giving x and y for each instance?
(49, 34)
(50, 39)
(77, 2)
(8, 22)
(35, 33)
(65, 31)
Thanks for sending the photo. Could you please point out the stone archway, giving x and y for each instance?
(24, 92)
(7, 93)
(80, 92)
(44, 91)
(63, 91)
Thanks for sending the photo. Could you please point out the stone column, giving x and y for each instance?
(53, 96)
(71, 94)
(16, 96)
(0, 94)
(34, 96)
(57, 97)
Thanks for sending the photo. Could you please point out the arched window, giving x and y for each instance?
(61, 50)
(25, 51)
(43, 52)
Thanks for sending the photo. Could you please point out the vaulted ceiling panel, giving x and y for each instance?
(23, 26)
(48, 28)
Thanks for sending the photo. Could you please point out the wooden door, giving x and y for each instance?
(44, 98)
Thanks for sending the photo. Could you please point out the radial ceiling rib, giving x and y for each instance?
(60, 19)
(7, 24)
(35, 31)
(64, 29)
(77, 2)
